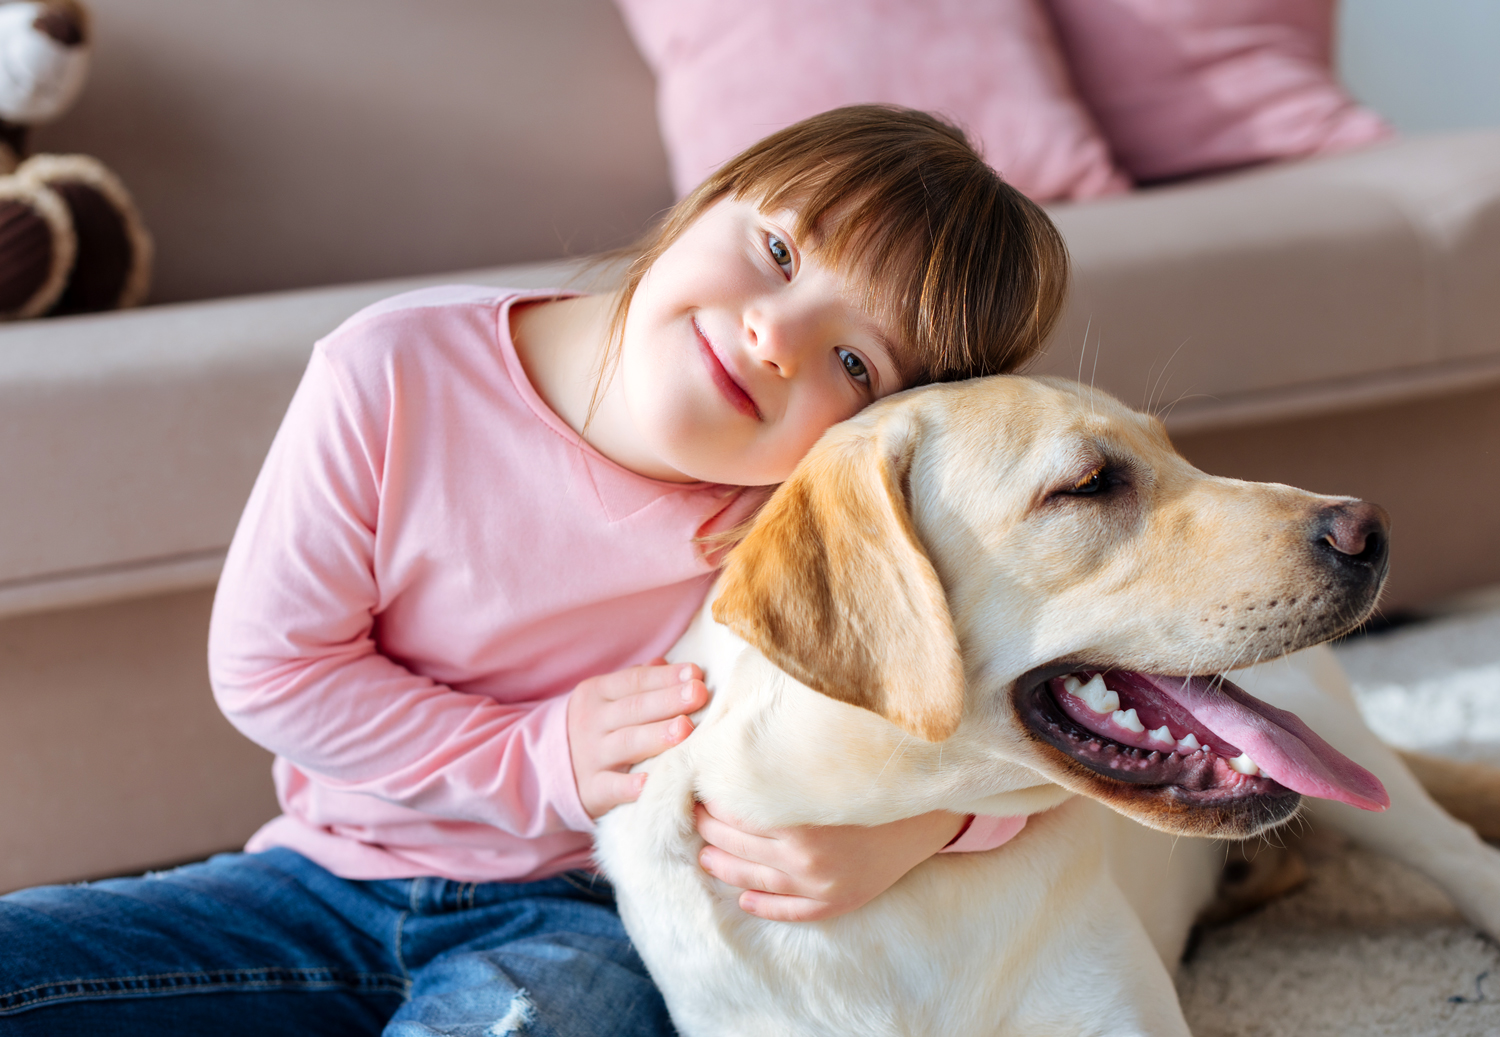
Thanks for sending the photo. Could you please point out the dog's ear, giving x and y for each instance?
(832, 585)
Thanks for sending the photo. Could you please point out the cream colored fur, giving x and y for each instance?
(1075, 926)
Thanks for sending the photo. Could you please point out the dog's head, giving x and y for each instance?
(1032, 560)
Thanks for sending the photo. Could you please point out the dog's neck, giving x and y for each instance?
(787, 755)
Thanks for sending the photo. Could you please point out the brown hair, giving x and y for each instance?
(970, 272)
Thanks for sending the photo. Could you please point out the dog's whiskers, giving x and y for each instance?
(1162, 380)
(1094, 374)
(899, 750)
(1084, 349)
(1186, 396)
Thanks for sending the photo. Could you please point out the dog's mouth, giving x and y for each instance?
(1202, 740)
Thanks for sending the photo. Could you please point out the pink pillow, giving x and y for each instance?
(729, 73)
(1189, 86)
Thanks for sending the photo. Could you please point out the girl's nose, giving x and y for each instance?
(778, 340)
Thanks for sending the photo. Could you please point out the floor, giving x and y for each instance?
(1368, 947)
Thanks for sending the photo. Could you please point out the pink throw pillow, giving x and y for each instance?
(1189, 86)
(731, 73)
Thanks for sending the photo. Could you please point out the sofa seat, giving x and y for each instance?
(1292, 290)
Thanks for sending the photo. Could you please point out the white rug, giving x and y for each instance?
(1368, 947)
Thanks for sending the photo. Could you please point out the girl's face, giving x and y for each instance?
(740, 349)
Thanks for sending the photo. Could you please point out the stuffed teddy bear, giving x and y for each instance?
(71, 240)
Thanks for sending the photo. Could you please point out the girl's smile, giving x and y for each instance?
(728, 384)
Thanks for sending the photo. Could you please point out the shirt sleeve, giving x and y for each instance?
(294, 659)
(985, 833)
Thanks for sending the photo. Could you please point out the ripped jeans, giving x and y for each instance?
(272, 943)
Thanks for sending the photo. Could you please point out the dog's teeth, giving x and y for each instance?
(1127, 719)
(1161, 736)
(1260, 772)
(1244, 764)
(1189, 744)
(1071, 684)
(1098, 697)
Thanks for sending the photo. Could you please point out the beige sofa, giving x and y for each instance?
(1331, 323)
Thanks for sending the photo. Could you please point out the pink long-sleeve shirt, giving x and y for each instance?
(430, 561)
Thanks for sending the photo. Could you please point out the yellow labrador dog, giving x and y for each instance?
(1011, 596)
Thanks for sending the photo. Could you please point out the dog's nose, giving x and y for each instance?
(1353, 534)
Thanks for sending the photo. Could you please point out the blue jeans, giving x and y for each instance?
(271, 943)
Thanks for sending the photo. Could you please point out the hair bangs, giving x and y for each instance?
(970, 272)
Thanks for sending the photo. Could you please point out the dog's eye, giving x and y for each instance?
(1091, 483)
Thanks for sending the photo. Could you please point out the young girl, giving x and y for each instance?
(486, 516)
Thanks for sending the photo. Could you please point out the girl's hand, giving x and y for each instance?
(619, 719)
(809, 874)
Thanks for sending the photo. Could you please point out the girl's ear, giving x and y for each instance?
(832, 586)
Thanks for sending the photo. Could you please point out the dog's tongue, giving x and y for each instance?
(1279, 742)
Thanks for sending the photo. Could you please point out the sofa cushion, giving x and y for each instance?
(1187, 86)
(729, 74)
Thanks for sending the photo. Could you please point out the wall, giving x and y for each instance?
(1426, 65)
(275, 144)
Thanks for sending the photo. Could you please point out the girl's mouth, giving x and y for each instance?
(728, 387)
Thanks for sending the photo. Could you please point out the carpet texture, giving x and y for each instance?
(1368, 947)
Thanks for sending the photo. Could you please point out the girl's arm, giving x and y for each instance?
(810, 874)
(295, 661)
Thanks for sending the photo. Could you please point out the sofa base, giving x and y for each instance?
(1433, 464)
(113, 755)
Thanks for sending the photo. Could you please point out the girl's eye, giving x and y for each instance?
(780, 253)
(854, 366)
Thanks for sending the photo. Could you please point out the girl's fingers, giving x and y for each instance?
(776, 908)
(650, 706)
(630, 745)
(745, 843)
(611, 788)
(747, 875)
(639, 727)
(637, 679)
